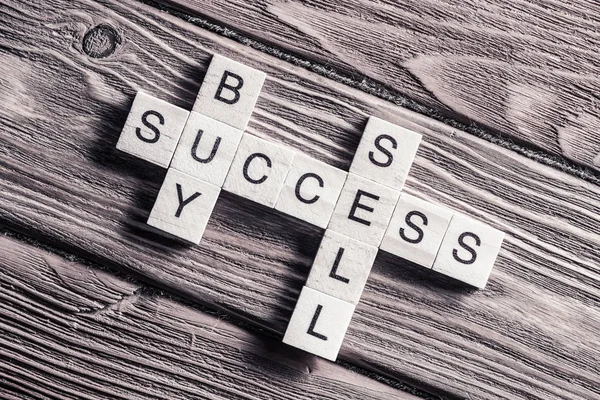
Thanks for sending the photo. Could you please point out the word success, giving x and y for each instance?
(363, 210)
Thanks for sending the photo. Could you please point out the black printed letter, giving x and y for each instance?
(212, 153)
(461, 242)
(161, 121)
(314, 322)
(385, 151)
(182, 202)
(357, 204)
(333, 274)
(234, 89)
(247, 164)
(301, 181)
(415, 227)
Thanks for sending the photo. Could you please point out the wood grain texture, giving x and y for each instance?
(527, 68)
(72, 331)
(530, 334)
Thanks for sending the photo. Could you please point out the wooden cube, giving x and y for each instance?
(258, 170)
(385, 153)
(184, 206)
(341, 267)
(206, 149)
(468, 251)
(319, 323)
(311, 190)
(229, 92)
(152, 129)
(416, 230)
(363, 210)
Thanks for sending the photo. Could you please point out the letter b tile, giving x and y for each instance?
(468, 251)
(183, 206)
(416, 230)
(206, 149)
(258, 170)
(152, 129)
(341, 267)
(363, 210)
(229, 92)
(319, 323)
(311, 190)
(385, 153)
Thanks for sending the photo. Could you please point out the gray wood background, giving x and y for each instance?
(78, 331)
(528, 69)
(68, 74)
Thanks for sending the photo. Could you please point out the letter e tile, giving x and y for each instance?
(363, 210)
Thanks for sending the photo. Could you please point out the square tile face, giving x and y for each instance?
(468, 251)
(416, 230)
(319, 323)
(183, 206)
(311, 190)
(258, 170)
(152, 129)
(206, 149)
(229, 92)
(385, 153)
(341, 267)
(363, 210)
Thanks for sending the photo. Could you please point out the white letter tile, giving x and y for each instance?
(341, 267)
(311, 190)
(364, 210)
(183, 206)
(385, 153)
(229, 92)
(319, 323)
(416, 230)
(206, 149)
(258, 170)
(152, 129)
(468, 251)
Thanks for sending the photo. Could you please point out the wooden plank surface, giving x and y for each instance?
(73, 331)
(530, 334)
(526, 68)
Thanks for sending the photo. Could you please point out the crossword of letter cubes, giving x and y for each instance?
(207, 150)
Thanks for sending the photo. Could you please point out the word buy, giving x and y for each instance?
(206, 150)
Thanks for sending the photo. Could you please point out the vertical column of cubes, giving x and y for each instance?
(197, 147)
(207, 148)
(357, 226)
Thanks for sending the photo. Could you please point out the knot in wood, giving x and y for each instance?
(101, 41)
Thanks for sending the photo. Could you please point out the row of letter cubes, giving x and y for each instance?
(207, 150)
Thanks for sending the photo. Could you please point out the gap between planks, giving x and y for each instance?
(381, 90)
